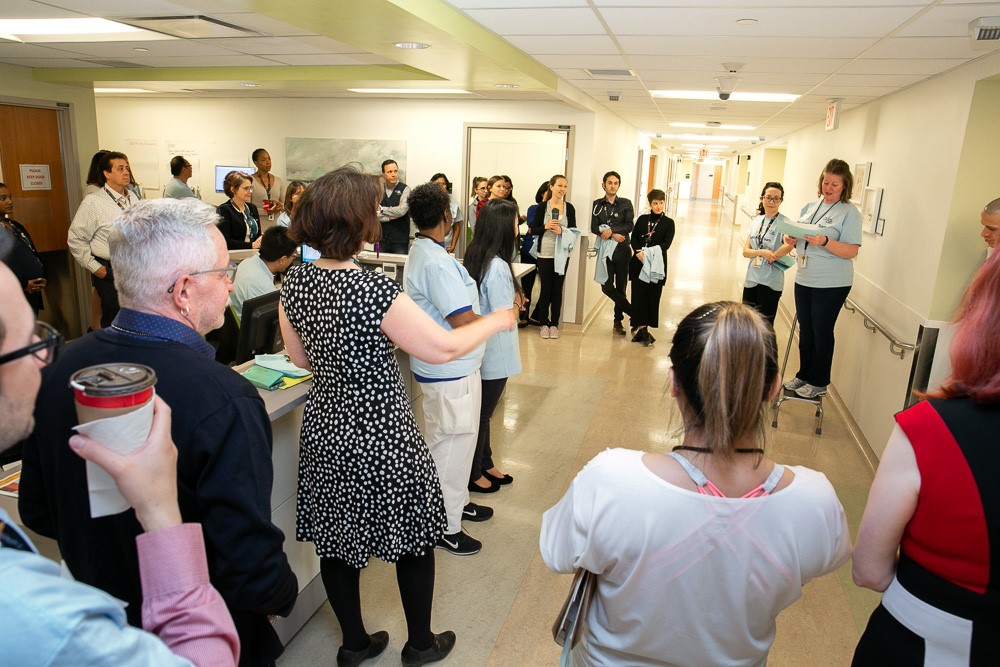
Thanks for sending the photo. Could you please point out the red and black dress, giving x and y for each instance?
(943, 606)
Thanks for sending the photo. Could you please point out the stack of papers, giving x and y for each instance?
(275, 371)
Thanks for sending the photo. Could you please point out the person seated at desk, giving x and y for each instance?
(255, 275)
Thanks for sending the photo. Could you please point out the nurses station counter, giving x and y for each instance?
(285, 408)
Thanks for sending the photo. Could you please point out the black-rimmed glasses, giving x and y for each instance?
(45, 349)
(229, 270)
(769, 199)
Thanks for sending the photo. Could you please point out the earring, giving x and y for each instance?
(185, 311)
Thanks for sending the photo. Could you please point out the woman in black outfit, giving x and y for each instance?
(651, 229)
(22, 257)
(547, 224)
(240, 224)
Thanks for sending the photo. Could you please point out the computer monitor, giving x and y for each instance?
(310, 254)
(259, 331)
(220, 174)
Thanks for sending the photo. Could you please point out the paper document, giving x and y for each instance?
(797, 229)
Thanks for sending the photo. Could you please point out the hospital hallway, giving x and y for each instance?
(577, 396)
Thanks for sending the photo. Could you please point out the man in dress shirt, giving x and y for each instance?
(177, 187)
(56, 620)
(616, 215)
(255, 275)
(990, 218)
(395, 206)
(88, 233)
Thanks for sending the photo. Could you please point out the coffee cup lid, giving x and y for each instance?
(106, 380)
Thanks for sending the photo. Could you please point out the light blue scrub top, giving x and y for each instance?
(766, 274)
(841, 222)
(503, 356)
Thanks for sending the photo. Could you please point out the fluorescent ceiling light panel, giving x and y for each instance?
(74, 30)
(713, 95)
(122, 90)
(410, 91)
(705, 137)
(715, 127)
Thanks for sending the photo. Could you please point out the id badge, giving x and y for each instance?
(802, 261)
(758, 262)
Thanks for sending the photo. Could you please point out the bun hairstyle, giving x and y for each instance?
(724, 358)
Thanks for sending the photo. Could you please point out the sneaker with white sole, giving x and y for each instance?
(810, 391)
(544, 332)
(553, 332)
(459, 544)
(474, 512)
(794, 384)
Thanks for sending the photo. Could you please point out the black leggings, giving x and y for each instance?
(483, 457)
(764, 299)
(415, 578)
(549, 306)
(817, 310)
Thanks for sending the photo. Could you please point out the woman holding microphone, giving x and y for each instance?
(547, 224)
(824, 276)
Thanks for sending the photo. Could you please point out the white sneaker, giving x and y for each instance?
(794, 384)
(553, 332)
(543, 331)
(810, 391)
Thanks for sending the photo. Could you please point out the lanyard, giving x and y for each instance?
(267, 188)
(652, 226)
(251, 222)
(117, 200)
(762, 232)
(818, 207)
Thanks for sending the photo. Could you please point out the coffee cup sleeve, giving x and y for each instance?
(122, 434)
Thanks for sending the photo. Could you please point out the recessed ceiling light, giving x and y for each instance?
(73, 30)
(411, 45)
(108, 91)
(746, 21)
(250, 85)
(507, 85)
(708, 137)
(140, 49)
(713, 95)
(410, 91)
(713, 125)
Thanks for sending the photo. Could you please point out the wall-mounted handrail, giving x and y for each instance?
(896, 346)
(747, 212)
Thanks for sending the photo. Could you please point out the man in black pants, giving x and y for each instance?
(617, 213)
(395, 207)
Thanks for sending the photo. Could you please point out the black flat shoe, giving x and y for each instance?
(439, 650)
(492, 488)
(377, 644)
(502, 481)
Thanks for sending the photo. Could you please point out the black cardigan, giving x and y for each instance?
(538, 221)
(234, 227)
(663, 237)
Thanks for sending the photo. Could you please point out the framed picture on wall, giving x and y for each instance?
(862, 173)
(871, 204)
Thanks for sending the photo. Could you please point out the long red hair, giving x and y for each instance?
(975, 347)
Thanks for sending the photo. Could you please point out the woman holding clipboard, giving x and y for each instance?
(764, 247)
(824, 275)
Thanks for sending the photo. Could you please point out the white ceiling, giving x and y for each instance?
(853, 50)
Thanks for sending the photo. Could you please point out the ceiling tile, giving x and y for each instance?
(539, 21)
(170, 47)
(746, 47)
(924, 66)
(931, 47)
(594, 44)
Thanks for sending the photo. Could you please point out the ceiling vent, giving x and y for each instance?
(985, 29)
(606, 73)
(190, 27)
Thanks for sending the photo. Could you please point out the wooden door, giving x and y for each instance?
(650, 183)
(30, 136)
(716, 182)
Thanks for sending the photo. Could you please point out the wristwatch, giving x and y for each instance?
(826, 239)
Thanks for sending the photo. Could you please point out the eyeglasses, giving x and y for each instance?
(770, 199)
(45, 349)
(230, 272)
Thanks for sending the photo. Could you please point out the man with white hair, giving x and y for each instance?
(173, 277)
(59, 621)
(990, 217)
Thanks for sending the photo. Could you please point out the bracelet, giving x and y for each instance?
(825, 241)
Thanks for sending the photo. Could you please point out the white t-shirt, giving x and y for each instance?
(687, 579)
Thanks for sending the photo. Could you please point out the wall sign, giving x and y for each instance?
(35, 177)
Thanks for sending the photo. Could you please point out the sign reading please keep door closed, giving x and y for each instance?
(35, 177)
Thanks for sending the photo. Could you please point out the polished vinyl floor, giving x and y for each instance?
(577, 396)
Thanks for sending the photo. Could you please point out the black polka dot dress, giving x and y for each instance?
(367, 484)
